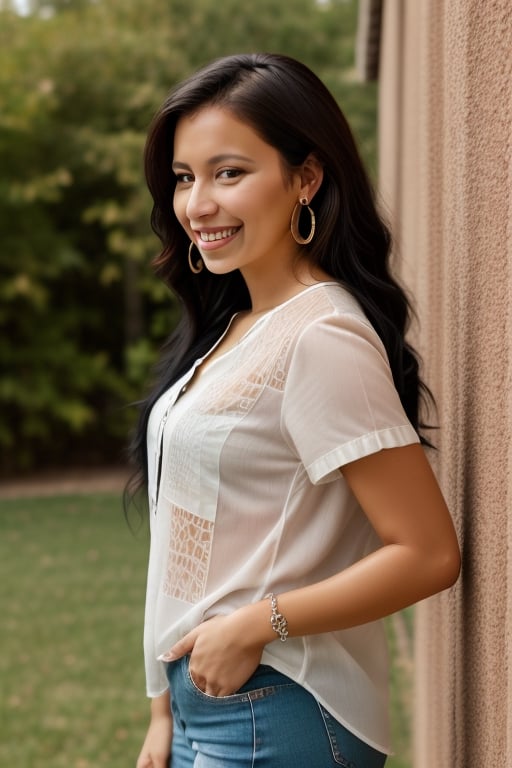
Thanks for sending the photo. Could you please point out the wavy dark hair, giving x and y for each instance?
(292, 110)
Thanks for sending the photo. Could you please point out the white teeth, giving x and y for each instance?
(208, 237)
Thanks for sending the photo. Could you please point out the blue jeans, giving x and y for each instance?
(271, 722)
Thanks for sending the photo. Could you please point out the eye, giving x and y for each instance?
(184, 178)
(229, 173)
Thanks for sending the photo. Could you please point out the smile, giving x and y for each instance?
(209, 237)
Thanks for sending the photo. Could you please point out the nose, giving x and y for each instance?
(200, 202)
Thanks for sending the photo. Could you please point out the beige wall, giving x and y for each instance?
(446, 178)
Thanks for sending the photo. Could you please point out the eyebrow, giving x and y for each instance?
(214, 160)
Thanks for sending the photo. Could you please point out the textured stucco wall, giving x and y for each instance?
(446, 179)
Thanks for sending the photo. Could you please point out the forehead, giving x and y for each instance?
(215, 130)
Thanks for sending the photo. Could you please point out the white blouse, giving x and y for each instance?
(249, 498)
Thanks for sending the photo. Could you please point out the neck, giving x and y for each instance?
(267, 294)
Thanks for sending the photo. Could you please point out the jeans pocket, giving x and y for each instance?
(264, 682)
(197, 690)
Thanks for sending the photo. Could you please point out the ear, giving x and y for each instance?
(311, 175)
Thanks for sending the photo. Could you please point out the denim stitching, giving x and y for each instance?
(268, 690)
(242, 698)
(253, 735)
(329, 727)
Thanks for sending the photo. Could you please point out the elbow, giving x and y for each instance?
(446, 568)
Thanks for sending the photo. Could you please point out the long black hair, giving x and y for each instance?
(291, 109)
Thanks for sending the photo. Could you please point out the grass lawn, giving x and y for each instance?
(72, 579)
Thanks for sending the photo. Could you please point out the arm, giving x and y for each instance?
(157, 744)
(419, 557)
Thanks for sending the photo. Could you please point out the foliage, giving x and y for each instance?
(81, 316)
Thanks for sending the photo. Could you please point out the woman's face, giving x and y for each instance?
(232, 196)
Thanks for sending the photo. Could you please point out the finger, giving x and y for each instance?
(180, 649)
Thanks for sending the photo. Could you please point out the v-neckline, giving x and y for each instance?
(199, 364)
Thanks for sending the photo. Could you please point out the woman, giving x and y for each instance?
(291, 503)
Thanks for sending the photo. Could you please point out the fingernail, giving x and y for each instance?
(169, 656)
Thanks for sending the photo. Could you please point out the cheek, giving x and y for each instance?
(258, 204)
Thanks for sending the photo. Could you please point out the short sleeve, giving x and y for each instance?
(340, 402)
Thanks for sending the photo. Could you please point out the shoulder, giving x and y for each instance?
(332, 319)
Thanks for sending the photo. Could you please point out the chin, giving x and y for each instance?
(219, 269)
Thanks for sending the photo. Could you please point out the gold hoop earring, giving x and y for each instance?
(195, 268)
(294, 224)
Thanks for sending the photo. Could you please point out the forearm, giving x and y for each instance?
(385, 581)
(157, 744)
(161, 706)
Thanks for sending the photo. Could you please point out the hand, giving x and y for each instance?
(157, 744)
(222, 656)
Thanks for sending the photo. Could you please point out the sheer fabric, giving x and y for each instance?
(251, 500)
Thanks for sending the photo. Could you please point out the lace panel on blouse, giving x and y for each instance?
(190, 543)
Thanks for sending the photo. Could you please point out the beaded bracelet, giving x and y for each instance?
(277, 620)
